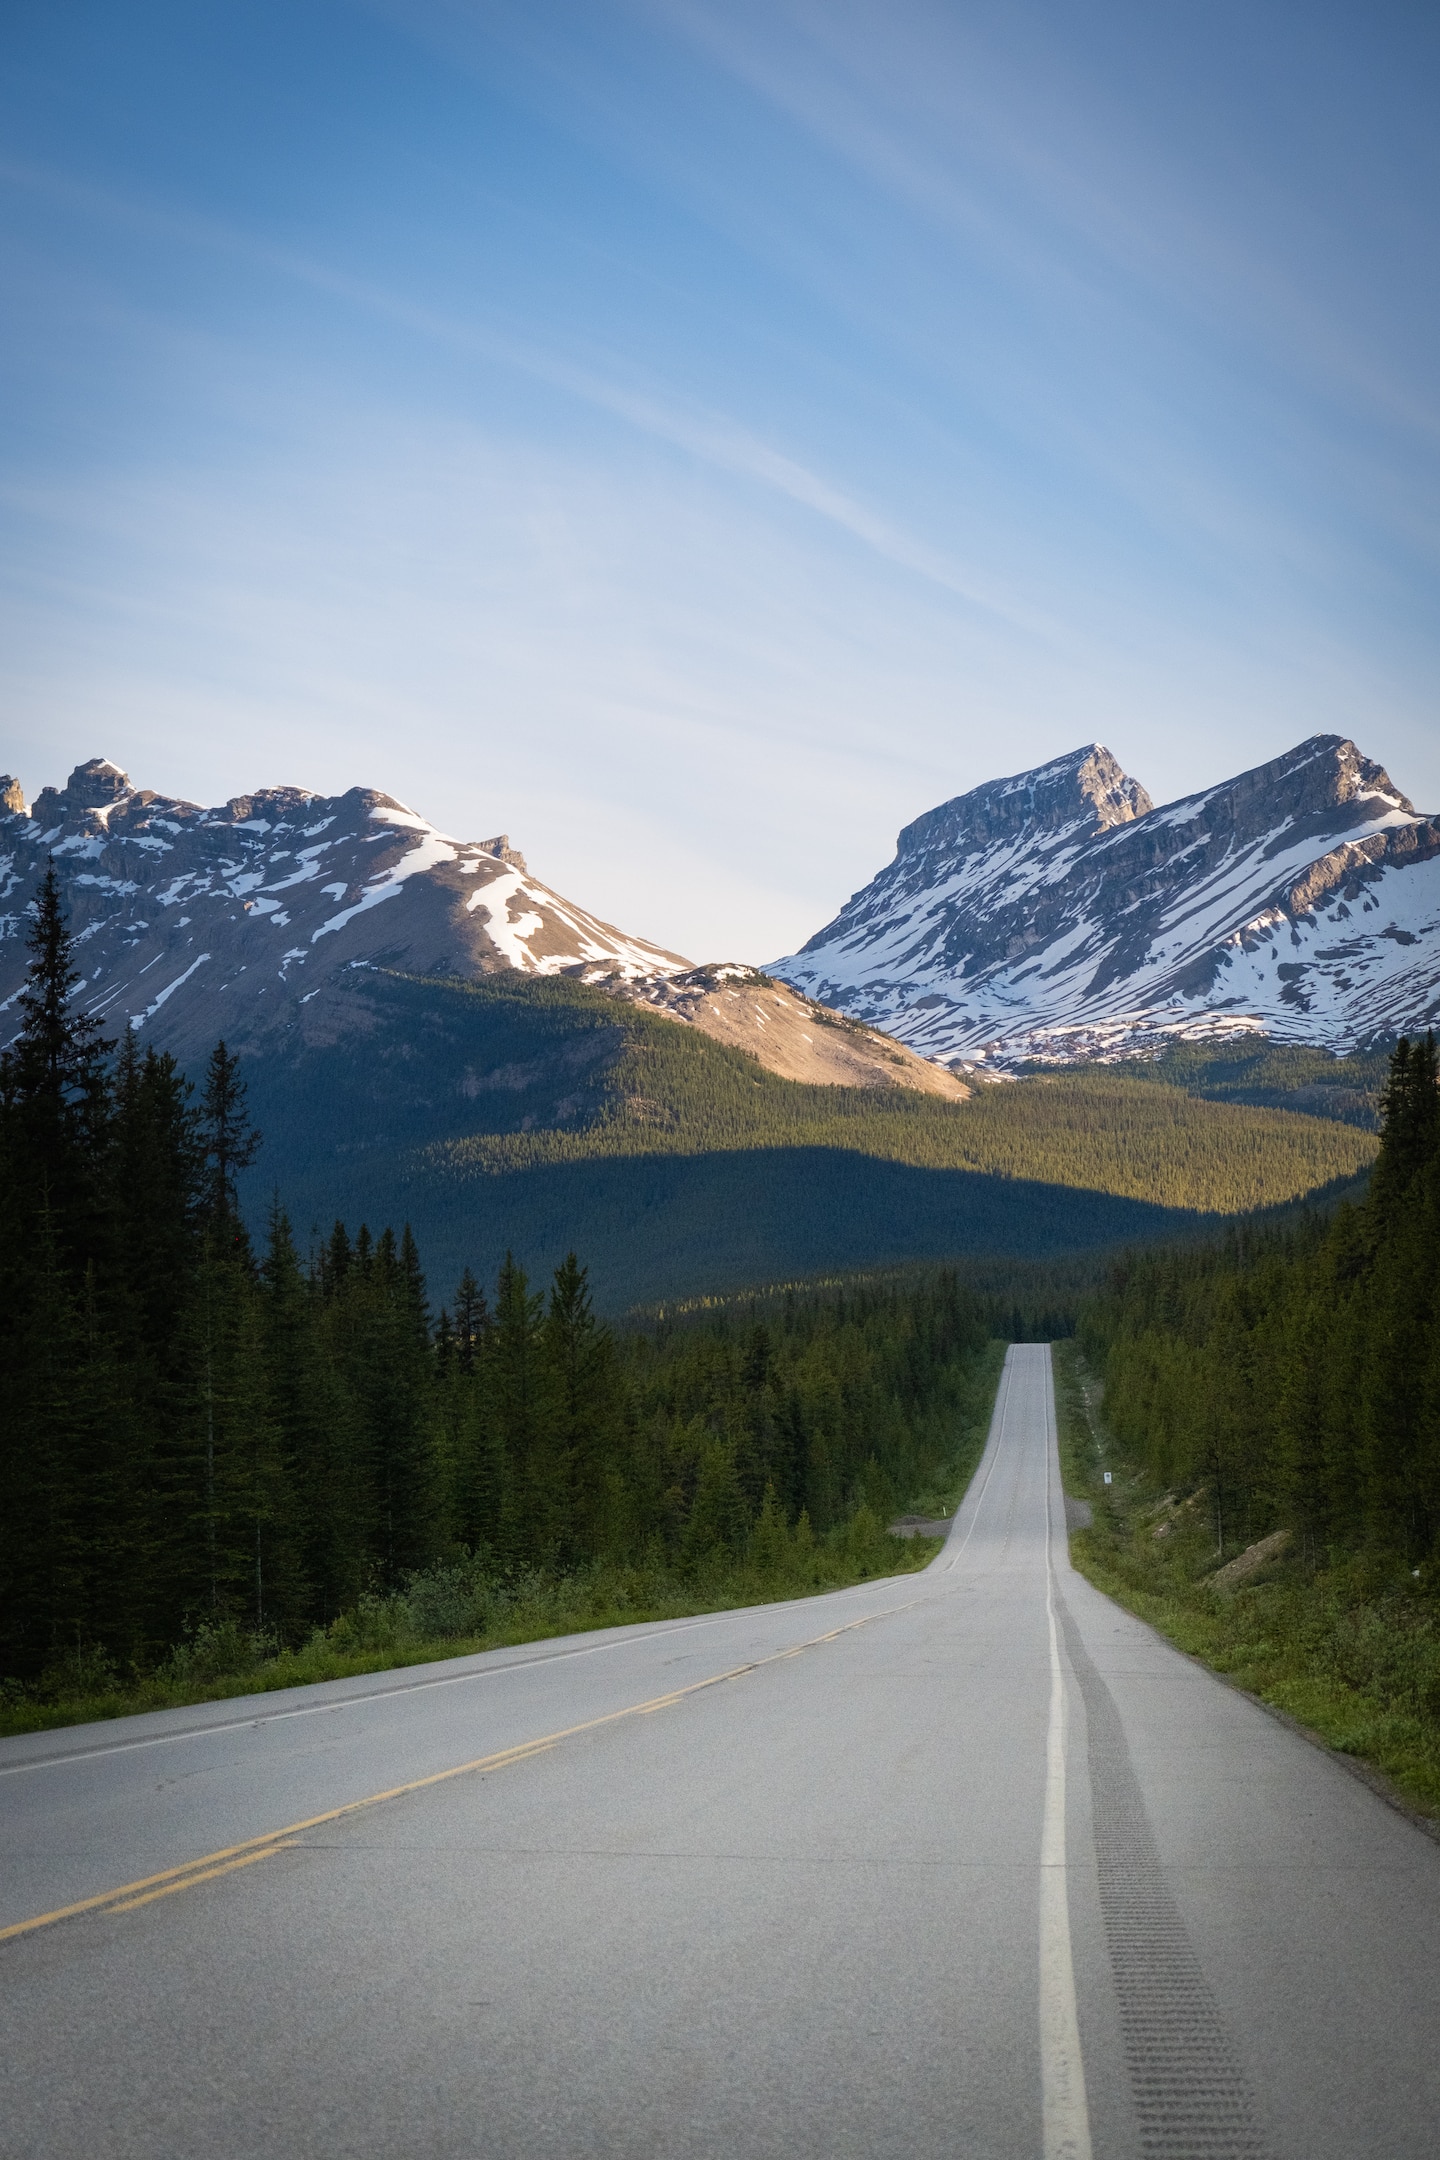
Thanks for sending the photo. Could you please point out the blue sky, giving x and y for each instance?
(699, 437)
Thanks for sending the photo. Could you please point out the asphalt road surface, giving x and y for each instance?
(964, 1863)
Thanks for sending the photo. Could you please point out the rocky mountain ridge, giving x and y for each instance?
(794, 1036)
(251, 920)
(1060, 915)
(192, 922)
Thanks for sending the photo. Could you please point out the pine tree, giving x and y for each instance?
(63, 1520)
(719, 1518)
(157, 1167)
(53, 1087)
(1409, 1124)
(754, 1425)
(231, 1141)
(586, 1414)
(413, 1466)
(472, 1320)
(326, 1569)
(520, 1395)
(791, 1455)
(382, 1338)
(342, 1318)
(334, 1262)
(476, 1481)
(218, 1470)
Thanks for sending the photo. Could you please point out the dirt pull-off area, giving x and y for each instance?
(789, 1034)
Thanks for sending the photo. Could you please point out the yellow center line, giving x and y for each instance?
(226, 1867)
(131, 1895)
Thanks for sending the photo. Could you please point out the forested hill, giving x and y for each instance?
(1295, 1377)
(540, 1114)
(1250, 1069)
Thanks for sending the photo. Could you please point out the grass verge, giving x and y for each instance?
(1350, 1651)
(457, 1609)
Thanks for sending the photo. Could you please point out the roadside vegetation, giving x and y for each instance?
(1269, 1408)
(451, 1610)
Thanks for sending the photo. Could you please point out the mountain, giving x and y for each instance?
(1059, 915)
(254, 920)
(430, 1034)
(192, 922)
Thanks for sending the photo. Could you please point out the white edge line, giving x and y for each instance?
(1066, 2118)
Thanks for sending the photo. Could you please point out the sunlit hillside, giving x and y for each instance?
(539, 1115)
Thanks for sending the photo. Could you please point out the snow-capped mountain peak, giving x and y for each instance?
(229, 919)
(1086, 791)
(1059, 913)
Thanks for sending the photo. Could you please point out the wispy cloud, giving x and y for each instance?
(698, 433)
(715, 438)
(1087, 192)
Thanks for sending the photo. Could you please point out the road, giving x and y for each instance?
(963, 1863)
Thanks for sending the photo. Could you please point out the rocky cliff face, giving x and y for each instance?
(1060, 914)
(191, 923)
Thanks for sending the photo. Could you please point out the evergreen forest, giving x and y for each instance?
(204, 1431)
(1294, 1374)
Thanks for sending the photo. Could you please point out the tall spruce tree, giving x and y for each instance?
(157, 1165)
(57, 1403)
(1409, 1125)
(586, 1416)
(53, 1087)
(472, 1321)
(519, 1384)
(476, 1454)
(230, 1139)
(225, 1462)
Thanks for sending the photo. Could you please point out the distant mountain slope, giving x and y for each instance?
(539, 1114)
(252, 921)
(790, 1035)
(1060, 915)
(1274, 1076)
